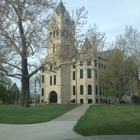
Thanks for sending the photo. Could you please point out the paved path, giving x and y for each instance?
(57, 129)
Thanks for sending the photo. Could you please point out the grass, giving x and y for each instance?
(109, 120)
(11, 114)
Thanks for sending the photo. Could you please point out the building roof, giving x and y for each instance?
(107, 53)
(60, 8)
(86, 44)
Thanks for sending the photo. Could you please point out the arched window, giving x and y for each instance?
(81, 90)
(89, 89)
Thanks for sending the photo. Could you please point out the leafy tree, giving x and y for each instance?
(118, 74)
(110, 92)
(130, 43)
(3, 93)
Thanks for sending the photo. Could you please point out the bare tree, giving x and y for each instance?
(23, 36)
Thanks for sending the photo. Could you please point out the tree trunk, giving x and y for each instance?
(25, 79)
(25, 95)
(118, 99)
(25, 85)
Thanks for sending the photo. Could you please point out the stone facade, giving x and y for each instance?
(74, 82)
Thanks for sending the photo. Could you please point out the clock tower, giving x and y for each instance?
(60, 34)
(56, 83)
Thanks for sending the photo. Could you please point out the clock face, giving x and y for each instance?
(54, 21)
(67, 21)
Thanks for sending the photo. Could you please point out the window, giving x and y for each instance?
(100, 90)
(42, 78)
(64, 32)
(88, 63)
(67, 50)
(89, 89)
(50, 34)
(90, 101)
(42, 92)
(81, 64)
(50, 80)
(81, 101)
(81, 90)
(50, 67)
(67, 33)
(42, 70)
(54, 80)
(53, 48)
(104, 66)
(96, 100)
(99, 66)
(100, 100)
(103, 90)
(88, 73)
(81, 73)
(73, 75)
(96, 90)
(74, 65)
(53, 33)
(67, 47)
(95, 63)
(95, 73)
(73, 101)
(57, 32)
(73, 90)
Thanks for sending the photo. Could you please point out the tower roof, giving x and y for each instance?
(86, 44)
(60, 9)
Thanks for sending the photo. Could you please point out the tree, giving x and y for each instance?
(22, 27)
(130, 43)
(118, 74)
(4, 84)
(3, 93)
(23, 36)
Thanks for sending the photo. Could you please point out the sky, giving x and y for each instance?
(111, 16)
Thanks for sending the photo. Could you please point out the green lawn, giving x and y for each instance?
(11, 114)
(109, 120)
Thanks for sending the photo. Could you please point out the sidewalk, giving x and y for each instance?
(57, 129)
(60, 128)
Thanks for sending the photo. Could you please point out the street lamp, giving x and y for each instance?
(34, 94)
(16, 98)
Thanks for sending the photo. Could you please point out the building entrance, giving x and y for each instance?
(53, 97)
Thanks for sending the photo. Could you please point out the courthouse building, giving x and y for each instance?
(70, 82)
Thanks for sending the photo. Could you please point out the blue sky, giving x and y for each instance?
(111, 16)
